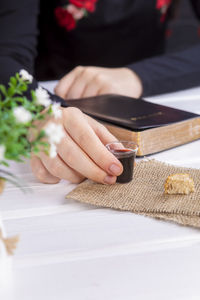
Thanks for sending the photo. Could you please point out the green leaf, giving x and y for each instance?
(3, 89)
(36, 150)
(13, 80)
(23, 87)
(14, 135)
(17, 76)
(41, 134)
(11, 91)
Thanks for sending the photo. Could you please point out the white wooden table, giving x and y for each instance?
(72, 251)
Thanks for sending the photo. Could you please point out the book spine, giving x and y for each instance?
(166, 137)
(161, 138)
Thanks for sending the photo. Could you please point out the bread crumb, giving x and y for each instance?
(180, 183)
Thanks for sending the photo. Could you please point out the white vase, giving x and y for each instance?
(5, 260)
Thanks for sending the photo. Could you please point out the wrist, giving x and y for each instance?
(135, 83)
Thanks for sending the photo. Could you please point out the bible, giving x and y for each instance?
(153, 127)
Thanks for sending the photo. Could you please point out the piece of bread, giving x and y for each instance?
(180, 183)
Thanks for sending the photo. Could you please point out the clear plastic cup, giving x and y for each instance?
(125, 152)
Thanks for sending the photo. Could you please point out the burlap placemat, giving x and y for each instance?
(145, 194)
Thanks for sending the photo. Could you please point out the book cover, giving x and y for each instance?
(154, 127)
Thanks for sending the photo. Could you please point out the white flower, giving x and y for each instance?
(25, 76)
(57, 113)
(22, 115)
(54, 132)
(52, 150)
(42, 97)
(2, 152)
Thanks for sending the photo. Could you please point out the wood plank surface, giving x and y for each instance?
(69, 250)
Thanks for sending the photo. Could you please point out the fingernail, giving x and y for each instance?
(115, 169)
(109, 179)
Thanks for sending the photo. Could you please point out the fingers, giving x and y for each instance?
(78, 160)
(66, 82)
(81, 153)
(58, 168)
(82, 80)
(107, 89)
(95, 86)
(51, 170)
(41, 173)
(85, 137)
(101, 131)
(76, 88)
(92, 81)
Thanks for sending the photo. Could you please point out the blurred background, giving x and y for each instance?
(184, 29)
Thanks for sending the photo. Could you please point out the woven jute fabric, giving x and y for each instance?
(145, 194)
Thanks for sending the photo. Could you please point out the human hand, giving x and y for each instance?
(92, 81)
(81, 153)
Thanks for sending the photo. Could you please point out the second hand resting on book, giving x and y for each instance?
(92, 81)
(81, 153)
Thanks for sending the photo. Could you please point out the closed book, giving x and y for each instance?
(153, 127)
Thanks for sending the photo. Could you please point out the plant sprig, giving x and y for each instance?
(20, 109)
(13, 133)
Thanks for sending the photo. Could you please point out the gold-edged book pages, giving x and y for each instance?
(160, 138)
(145, 194)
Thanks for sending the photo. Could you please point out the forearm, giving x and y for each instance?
(169, 73)
(18, 32)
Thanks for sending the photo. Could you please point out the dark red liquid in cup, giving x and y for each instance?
(126, 157)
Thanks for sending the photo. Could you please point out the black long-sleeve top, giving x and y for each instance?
(119, 33)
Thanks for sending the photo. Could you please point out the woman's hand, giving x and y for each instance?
(92, 81)
(81, 153)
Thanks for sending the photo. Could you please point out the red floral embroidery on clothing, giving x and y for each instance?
(74, 10)
(64, 18)
(89, 5)
(161, 3)
(162, 6)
